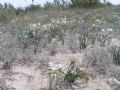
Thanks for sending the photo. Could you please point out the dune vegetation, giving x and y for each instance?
(60, 46)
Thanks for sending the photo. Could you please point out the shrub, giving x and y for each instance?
(30, 37)
(22, 37)
(7, 64)
(57, 4)
(80, 34)
(114, 72)
(71, 74)
(48, 5)
(83, 41)
(60, 3)
(72, 42)
(7, 13)
(19, 11)
(32, 7)
(3, 17)
(56, 32)
(85, 3)
(98, 60)
(74, 72)
(116, 55)
(58, 77)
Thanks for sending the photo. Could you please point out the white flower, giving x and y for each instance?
(99, 21)
(44, 26)
(34, 25)
(110, 29)
(103, 30)
(25, 36)
(49, 25)
(58, 22)
(50, 63)
(52, 66)
(38, 24)
(52, 21)
(93, 25)
(64, 20)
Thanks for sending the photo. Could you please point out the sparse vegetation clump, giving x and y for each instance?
(116, 55)
(86, 3)
(59, 78)
(30, 37)
(7, 13)
(99, 59)
(7, 64)
(73, 73)
(39, 40)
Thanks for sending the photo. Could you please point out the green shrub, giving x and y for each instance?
(7, 64)
(116, 55)
(19, 11)
(67, 78)
(48, 6)
(56, 32)
(83, 35)
(74, 73)
(30, 37)
(71, 74)
(85, 3)
(3, 17)
(7, 13)
(32, 7)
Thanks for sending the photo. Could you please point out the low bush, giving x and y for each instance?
(32, 8)
(30, 37)
(85, 3)
(98, 59)
(48, 6)
(83, 41)
(7, 13)
(7, 64)
(116, 55)
(59, 77)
